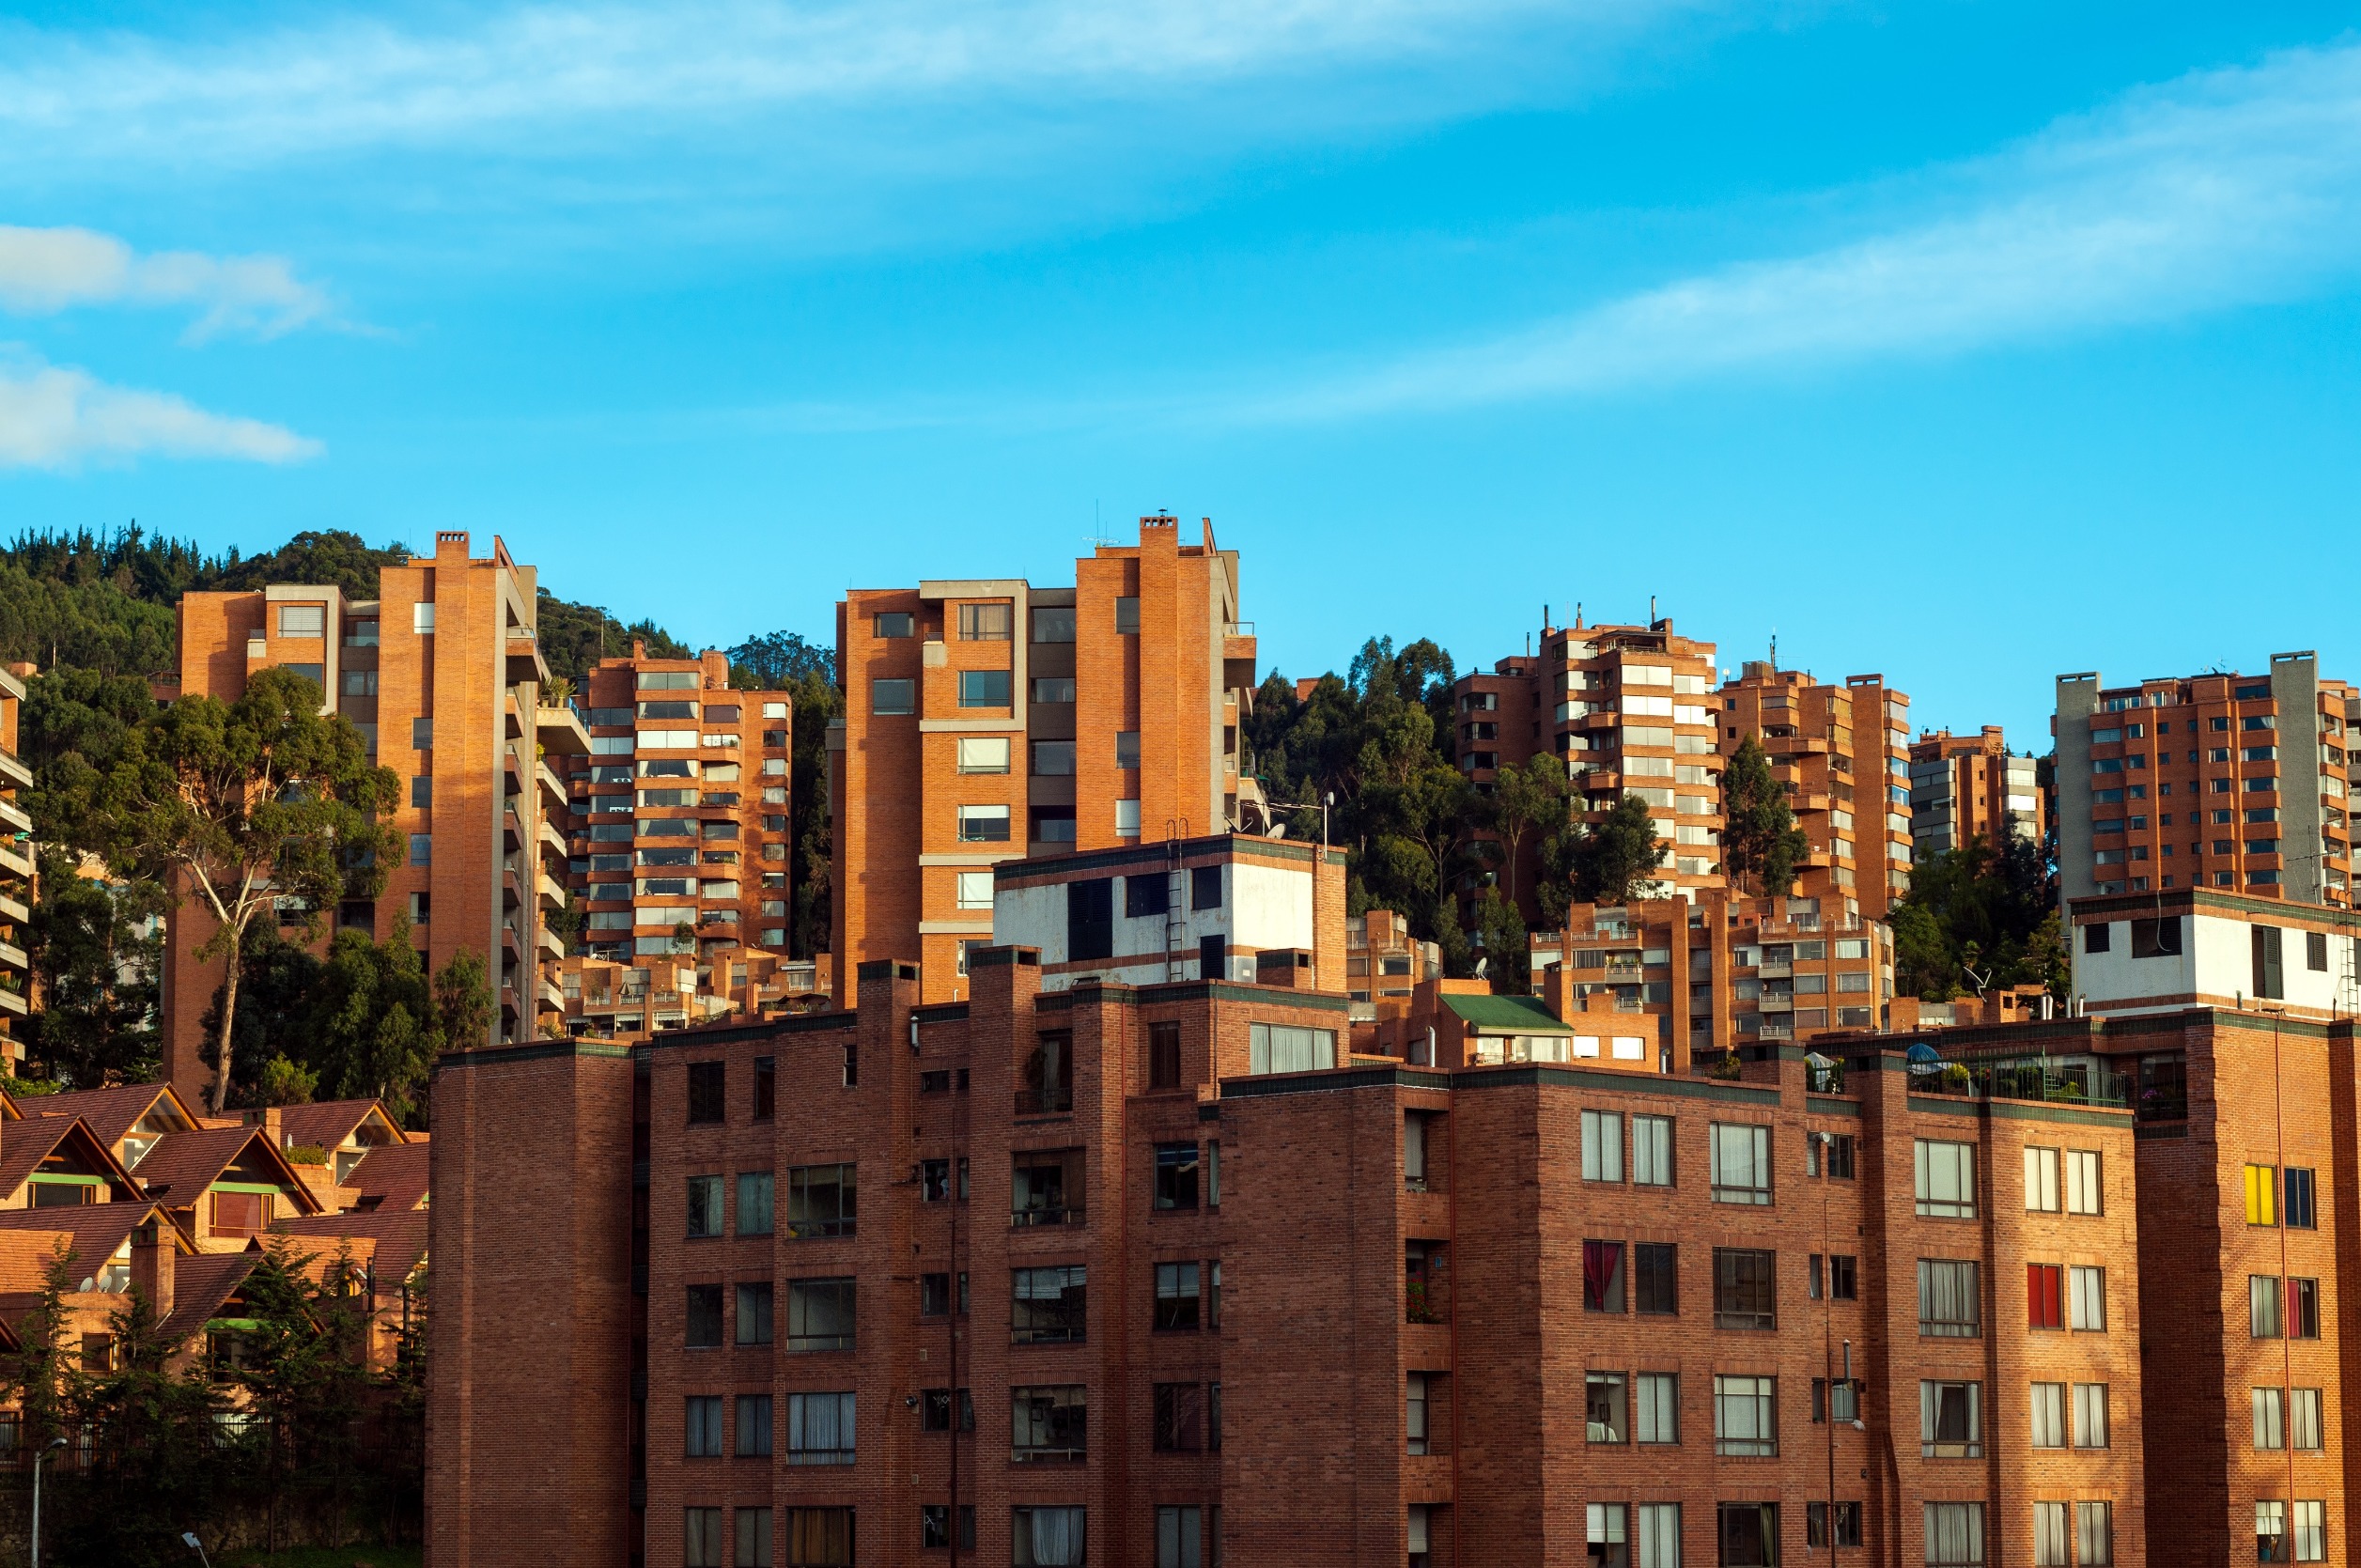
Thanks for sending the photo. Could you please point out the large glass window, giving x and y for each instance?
(1288, 1049)
(819, 1315)
(1744, 1288)
(1741, 1163)
(1047, 1537)
(1950, 1419)
(1048, 1306)
(821, 1429)
(1652, 1151)
(821, 1200)
(1049, 1422)
(1949, 1298)
(1746, 1416)
(1945, 1178)
(1602, 1146)
(1955, 1534)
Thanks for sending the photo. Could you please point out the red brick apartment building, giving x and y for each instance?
(1964, 787)
(680, 810)
(1629, 710)
(2213, 780)
(986, 720)
(1840, 752)
(443, 676)
(1164, 1275)
(1702, 977)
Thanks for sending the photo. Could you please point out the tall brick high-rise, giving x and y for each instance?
(16, 872)
(989, 719)
(2213, 780)
(1842, 753)
(1964, 787)
(1629, 710)
(680, 810)
(441, 675)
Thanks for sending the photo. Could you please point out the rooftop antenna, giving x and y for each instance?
(1652, 609)
(1577, 615)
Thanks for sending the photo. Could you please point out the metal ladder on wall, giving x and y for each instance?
(1175, 895)
(2347, 984)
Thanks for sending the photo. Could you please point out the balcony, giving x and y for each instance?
(552, 893)
(13, 814)
(560, 732)
(524, 658)
(1779, 971)
(1028, 1219)
(13, 957)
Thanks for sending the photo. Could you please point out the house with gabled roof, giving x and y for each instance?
(112, 1246)
(48, 1162)
(224, 1186)
(343, 1133)
(129, 1118)
(394, 1177)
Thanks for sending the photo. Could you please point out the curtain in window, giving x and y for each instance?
(1659, 1535)
(1955, 1533)
(1049, 1537)
(1602, 1276)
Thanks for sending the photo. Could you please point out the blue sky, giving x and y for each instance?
(1969, 343)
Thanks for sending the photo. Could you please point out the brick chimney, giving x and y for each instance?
(151, 1264)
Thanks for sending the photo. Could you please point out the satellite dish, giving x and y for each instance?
(1480, 964)
(1278, 830)
(90, 1284)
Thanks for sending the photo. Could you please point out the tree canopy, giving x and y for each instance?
(1761, 845)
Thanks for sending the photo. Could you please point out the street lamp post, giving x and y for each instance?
(43, 1453)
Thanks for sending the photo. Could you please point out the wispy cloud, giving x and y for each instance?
(58, 417)
(2221, 190)
(43, 270)
(522, 72)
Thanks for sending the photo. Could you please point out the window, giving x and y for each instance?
(819, 1315)
(766, 1106)
(1128, 749)
(2041, 1180)
(821, 1200)
(1609, 1546)
(2304, 1420)
(705, 1085)
(983, 754)
(1743, 1291)
(701, 1549)
(2091, 1414)
(1746, 1417)
(1286, 1048)
(1179, 1533)
(934, 1294)
(1609, 1419)
(704, 1317)
(2303, 1309)
(1602, 1276)
(1955, 1534)
(1047, 1537)
(2084, 1193)
(1816, 1524)
(755, 1316)
(1950, 1419)
(753, 1534)
(821, 1537)
(1164, 1055)
(2095, 1534)
(1741, 1164)
(1950, 1300)
(894, 623)
(2087, 1290)
(360, 683)
(985, 623)
(705, 1206)
(2269, 977)
(2302, 1214)
(1146, 895)
(887, 697)
(1844, 1277)
(975, 889)
(2045, 1294)
(1177, 1296)
(1652, 1151)
(1048, 1306)
(984, 688)
(1127, 818)
(1660, 1535)
(2263, 1306)
(1655, 1278)
(2049, 1415)
(1829, 1155)
(1602, 1146)
(702, 1427)
(422, 850)
(2311, 1531)
(1053, 624)
(1426, 1282)
(2271, 1531)
(2270, 1418)
(2156, 938)
(1205, 888)
(2262, 1188)
(1053, 689)
(1414, 1419)
(1945, 1178)
(819, 1429)
(1126, 616)
(2094, 938)
(1658, 1412)
(1177, 1175)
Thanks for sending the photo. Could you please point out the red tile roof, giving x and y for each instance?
(183, 1164)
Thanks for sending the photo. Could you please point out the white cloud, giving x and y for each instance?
(358, 83)
(2223, 189)
(58, 417)
(43, 270)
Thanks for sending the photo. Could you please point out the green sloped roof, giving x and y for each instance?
(1507, 1014)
